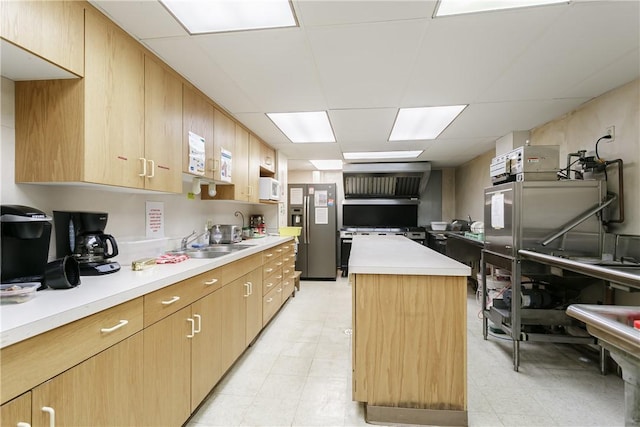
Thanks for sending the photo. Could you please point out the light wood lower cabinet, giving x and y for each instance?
(412, 354)
(241, 315)
(16, 411)
(105, 390)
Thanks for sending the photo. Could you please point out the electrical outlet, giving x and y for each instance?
(611, 130)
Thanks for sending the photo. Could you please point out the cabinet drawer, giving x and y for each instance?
(232, 271)
(287, 288)
(272, 267)
(166, 301)
(271, 303)
(30, 362)
(271, 283)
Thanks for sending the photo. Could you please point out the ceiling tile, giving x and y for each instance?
(331, 13)
(365, 65)
(363, 125)
(273, 66)
(142, 19)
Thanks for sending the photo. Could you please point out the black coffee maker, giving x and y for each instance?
(81, 235)
(26, 233)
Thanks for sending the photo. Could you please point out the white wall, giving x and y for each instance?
(126, 211)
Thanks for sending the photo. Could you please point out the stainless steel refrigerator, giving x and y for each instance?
(313, 207)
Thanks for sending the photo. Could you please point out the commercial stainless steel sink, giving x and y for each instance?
(211, 251)
(613, 326)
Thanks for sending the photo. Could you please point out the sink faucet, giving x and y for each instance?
(185, 240)
(238, 213)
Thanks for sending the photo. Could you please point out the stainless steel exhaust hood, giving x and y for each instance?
(385, 180)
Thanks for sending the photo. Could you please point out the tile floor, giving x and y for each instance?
(297, 373)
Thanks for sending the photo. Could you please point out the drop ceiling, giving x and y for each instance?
(363, 60)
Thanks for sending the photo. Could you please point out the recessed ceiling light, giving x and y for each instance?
(208, 16)
(423, 122)
(304, 127)
(368, 155)
(458, 7)
(327, 165)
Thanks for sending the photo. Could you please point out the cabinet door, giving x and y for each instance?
(224, 137)
(53, 30)
(206, 354)
(233, 321)
(105, 390)
(240, 172)
(162, 128)
(114, 105)
(254, 305)
(16, 411)
(253, 168)
(197, 117)
(167, 370)
(267, 158)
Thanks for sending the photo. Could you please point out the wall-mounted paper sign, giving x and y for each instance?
(225, 165)
(154, 219)
(196, 154)
(497, 211)
(322, 216)
(320, 198)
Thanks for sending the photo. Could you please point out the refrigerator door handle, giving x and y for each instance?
(306, 220)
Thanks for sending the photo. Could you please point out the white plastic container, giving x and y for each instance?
(135, 248)
(439, 225)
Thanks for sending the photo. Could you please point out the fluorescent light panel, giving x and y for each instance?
(327, 165)
(368, 155)
(304, 127)
(458, 7)
(208, 16)
(423, 123)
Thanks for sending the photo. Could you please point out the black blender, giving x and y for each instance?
(81, 234)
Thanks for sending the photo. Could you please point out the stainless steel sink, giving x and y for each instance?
(212, 251)
(613, 326)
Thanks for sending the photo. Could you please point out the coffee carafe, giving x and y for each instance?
(81, 234)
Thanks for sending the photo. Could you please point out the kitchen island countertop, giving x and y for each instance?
(399, 255)
(50, 308)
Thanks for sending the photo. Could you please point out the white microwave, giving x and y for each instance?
(269, 189)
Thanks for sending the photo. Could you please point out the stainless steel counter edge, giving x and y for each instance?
(599, 316)
(50, 308)
(597, 271)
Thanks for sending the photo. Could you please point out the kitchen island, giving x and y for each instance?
(409, 332)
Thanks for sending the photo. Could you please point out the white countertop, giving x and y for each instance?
(50, 308)
(399, 255)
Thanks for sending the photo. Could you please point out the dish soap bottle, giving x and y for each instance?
(217, 235)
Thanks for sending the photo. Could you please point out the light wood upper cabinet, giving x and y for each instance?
(114, 106)
(253, 168)
(267, 159)
(53, 30)
(162, 127)
(240, 172)
(105, 390)
(224, 137)
(197, 117)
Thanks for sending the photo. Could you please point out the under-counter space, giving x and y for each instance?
(53, 308)
(409, 332)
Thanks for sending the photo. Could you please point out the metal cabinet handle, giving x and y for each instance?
(113, 328)
(278, 250)
(279, 290)
(270, 284)
(171, 301)
(250, 288)
(268, 255)
(144, 166)
(153, 169)
(210, 282)
(193, 327)
(286, 271)
(278, 264)
(279, 277)
(199, 329)
(269, 300)
(23, 424)
(52, 415)
(269, 270)
(246, 285)
(216, 164)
